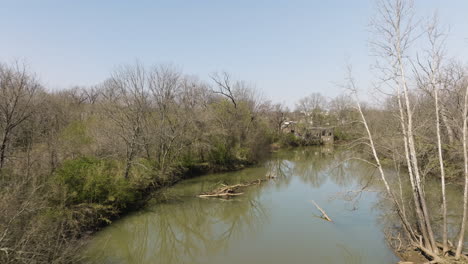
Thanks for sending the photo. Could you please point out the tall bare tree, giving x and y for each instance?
(18, 90)
(341, 107)
(167, 120)
(429, 79)
(434, 35)
(394, 28)
(126, 104)
(312, 107)
(461, 238)
(434, 73)
(351, 86)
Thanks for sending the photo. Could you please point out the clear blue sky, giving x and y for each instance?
(288, 49)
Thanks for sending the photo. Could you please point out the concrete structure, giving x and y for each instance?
(311, 135)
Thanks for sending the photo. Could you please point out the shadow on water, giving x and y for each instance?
(270, 223)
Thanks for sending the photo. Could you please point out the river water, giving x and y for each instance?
(274, 222)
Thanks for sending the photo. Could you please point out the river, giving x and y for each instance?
(274, 222)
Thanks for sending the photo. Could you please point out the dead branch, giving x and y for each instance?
(324, 215)
(231, 190)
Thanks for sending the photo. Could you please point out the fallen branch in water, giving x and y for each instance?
(324, 215)
(220, 194)
(230, 190)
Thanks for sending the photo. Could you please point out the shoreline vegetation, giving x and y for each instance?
(73, 160)
(427, 134)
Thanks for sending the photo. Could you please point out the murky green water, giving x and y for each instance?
(271, 223)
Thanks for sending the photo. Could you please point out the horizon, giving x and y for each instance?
(286, 51)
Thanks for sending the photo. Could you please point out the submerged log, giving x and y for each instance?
(324, 215)
(230, 190)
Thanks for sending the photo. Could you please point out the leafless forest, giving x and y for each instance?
(73, 160)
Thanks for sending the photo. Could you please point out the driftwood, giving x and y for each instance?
(324, 215)
(230, 190)
(220, 194)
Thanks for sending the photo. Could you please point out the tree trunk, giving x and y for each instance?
(402, 216)
(131, 152)
(3, 148)
(128, 163)
(450, 134)
(416, 196)
(442, 171)
(413, 156)
(465, 194)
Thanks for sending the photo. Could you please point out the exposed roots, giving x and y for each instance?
(421, 252)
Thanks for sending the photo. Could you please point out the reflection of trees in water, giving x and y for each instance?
(316, 165)
(281, 169)
(180, 232)
(312, 172)
(350, 256)
(183, 230)
(362, 177)
(391, 224)
(309, 164)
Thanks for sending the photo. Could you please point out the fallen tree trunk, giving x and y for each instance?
(220, 194)
(230, 190)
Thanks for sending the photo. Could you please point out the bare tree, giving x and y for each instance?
(451, 76)
(224, 86)
(430, 81)
(341, 107)
(18, 89)
(394, 28)
(165, 85)
(312, 107)
(77, 94)
(351, 86)
(465, 167)
(126, 104)
(279, 112)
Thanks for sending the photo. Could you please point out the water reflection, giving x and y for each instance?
(391, 224)
(271, 223)
(315, 166)
(179, 234)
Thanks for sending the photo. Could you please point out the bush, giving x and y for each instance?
(340, 134)
(290, 140)
(89, 180)
(188, 159)
(220, 154)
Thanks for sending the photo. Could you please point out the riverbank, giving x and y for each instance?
(258, 226)
(99, 198)
(202, 170)
(146, 191)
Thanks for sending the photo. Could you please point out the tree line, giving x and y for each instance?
(72, 159)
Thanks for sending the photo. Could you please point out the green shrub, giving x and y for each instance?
(220, 154)
(340, 134)
(75, 135)
(290, 139)
(89, 180)
(188, 159)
